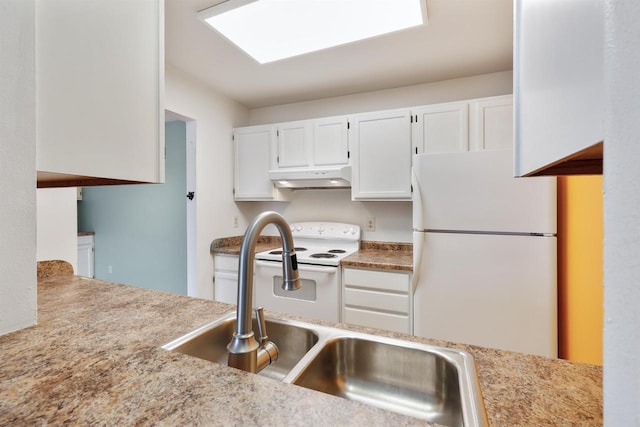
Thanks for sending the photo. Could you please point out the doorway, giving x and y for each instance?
(145, 234)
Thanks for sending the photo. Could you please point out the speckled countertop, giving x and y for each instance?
(95, 359)
(231, 245)
(381, 255)
(378, 255)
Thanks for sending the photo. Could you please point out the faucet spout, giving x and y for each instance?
(244, 351)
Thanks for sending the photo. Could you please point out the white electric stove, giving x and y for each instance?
(319, 247)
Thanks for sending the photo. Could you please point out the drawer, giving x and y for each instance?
(226, 262)
(376, 300)
(386, 321)
(85, 239)
(376, 279)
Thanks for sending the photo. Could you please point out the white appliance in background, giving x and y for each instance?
(484, 253)
(319, 248)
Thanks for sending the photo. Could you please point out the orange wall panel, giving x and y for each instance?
(580, 288)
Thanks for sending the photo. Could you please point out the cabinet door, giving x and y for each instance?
(253, 151)
(100, 79)
(381, 156)
(330, 141)
(558, 77)
(491, 123)
(226, 278)
(441, 128)
(294, 144)
(85, 256)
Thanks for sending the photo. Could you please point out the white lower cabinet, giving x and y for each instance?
(226, 278)
(377, 298)
(85, 256)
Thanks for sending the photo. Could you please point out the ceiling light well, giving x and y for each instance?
(271, 30)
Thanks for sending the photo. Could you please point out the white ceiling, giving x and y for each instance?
(462, 38)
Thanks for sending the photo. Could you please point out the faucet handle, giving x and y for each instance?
(262, 325)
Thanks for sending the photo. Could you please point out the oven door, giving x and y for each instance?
(318, 298)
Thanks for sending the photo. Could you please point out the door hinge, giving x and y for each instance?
(348, 154)
(191, 195)
(412, 188)
(233, 137)
(416, 118)
(278, 160)
(348, 125)
(416, 150)
(278, 132)
(411, 118)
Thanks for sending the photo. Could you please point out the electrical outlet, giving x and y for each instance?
(371, 224)
(110, 269)
(235, 221)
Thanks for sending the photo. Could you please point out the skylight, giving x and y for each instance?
(270, 30)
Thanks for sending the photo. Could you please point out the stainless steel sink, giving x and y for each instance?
(431, 383)
(209, 342)
(421, 383)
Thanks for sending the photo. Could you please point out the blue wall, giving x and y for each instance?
(141, 230)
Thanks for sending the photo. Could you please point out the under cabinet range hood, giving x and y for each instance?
(333, 177)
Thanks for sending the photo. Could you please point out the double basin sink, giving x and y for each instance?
(431, 383)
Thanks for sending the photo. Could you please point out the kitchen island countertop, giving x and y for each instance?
(95, 358)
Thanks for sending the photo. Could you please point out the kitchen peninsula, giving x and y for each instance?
(95, 358)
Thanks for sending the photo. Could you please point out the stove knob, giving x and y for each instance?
(345, 230)
(299, 228)
(354, 230)
(293, 228)
(321, 229)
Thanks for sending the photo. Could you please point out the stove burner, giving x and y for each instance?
(279, 251)
(337, 251)
(323, 255)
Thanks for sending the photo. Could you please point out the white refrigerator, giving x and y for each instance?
(485, 265)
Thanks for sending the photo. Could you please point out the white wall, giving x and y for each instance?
(215, 116)
(393, 219)
(622, 215)
(18, 284)
(408, 96)
(57, 220)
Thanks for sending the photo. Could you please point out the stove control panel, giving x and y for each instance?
(326, 230)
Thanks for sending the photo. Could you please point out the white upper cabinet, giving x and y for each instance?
(100, 80)
(441, 128)
(331, 141)
(381, 162)
(312, 143)
(294, 144)
(254, 149)
(491, 123)
(377, 145)
(559, 86)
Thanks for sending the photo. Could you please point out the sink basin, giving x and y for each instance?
(412, 381)
(210, 343)
(431, 383)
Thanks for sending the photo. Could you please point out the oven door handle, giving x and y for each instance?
(301, 267)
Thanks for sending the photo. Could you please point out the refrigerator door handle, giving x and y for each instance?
(418, 237)
(418, 214)
(418, 248)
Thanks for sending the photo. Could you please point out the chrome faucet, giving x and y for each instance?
(244, 351)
